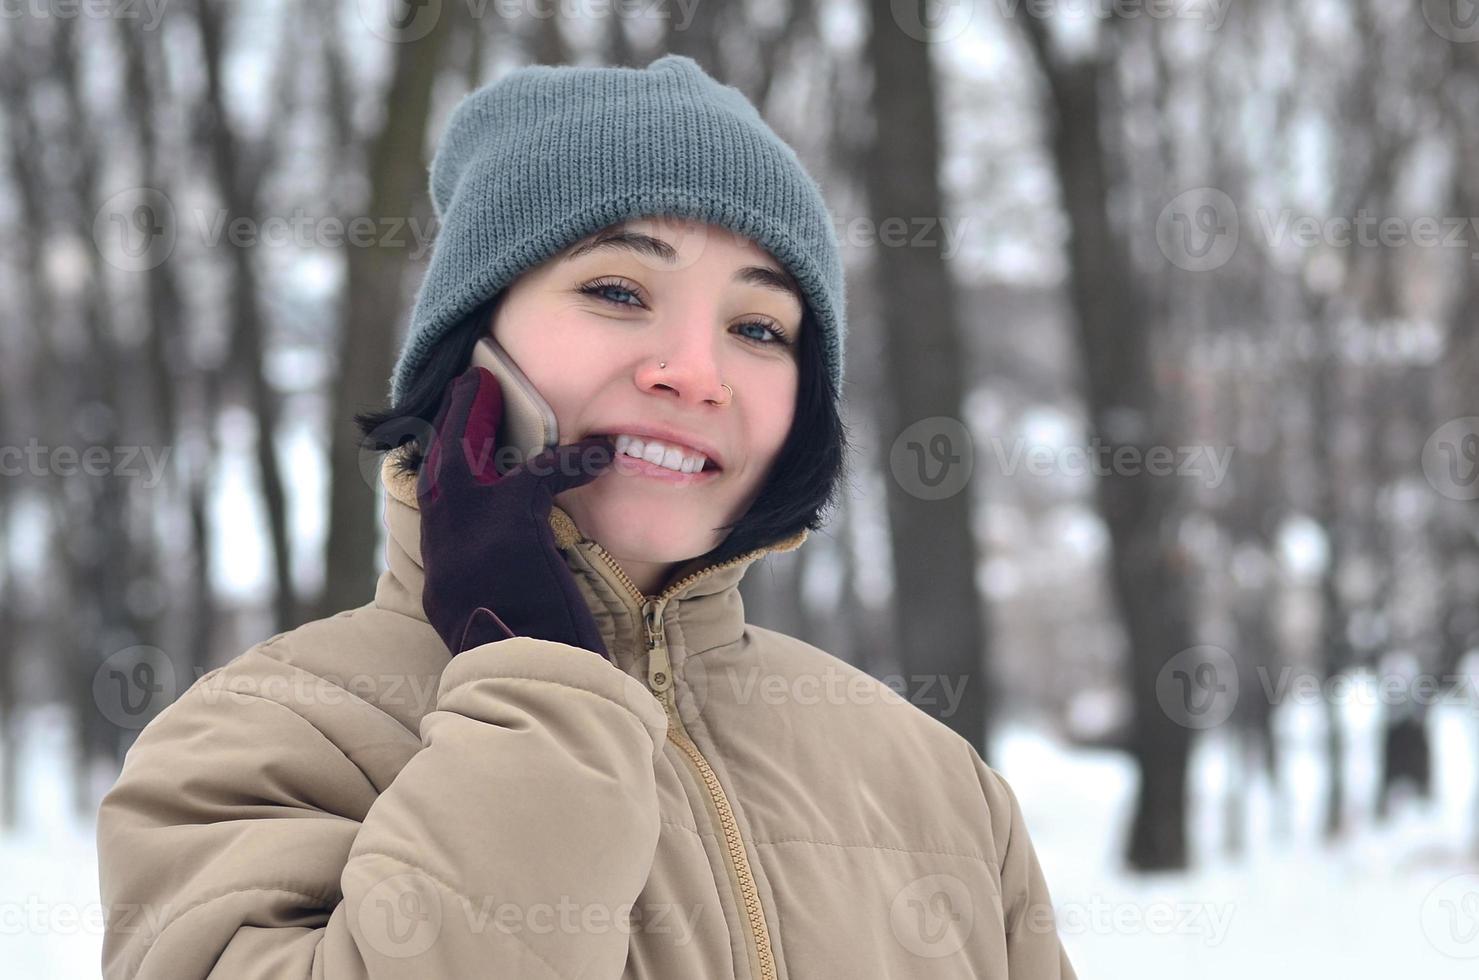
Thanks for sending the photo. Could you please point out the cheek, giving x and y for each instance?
(774, 402)
(564, 363)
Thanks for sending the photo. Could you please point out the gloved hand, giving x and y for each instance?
(493, 569)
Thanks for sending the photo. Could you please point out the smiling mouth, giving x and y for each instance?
(621, 444)
(634, 466)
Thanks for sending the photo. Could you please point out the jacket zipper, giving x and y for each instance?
(660, 681)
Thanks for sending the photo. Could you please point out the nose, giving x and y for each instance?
(685, 362)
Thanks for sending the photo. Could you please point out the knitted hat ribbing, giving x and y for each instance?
(535, 161)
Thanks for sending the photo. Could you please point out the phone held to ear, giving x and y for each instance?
(528, 421)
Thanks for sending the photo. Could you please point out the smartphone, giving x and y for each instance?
(528, 421)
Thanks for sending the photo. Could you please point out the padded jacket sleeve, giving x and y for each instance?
(244, 840)
(1034, 949)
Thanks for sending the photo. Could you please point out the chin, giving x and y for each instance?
(641, 530)
(657, 549)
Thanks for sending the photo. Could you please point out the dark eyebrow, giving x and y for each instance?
(768, 278)
(753, 275)
(626, 240)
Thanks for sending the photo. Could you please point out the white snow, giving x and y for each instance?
(1395, 900)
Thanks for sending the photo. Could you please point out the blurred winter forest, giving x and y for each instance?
(1162, 369)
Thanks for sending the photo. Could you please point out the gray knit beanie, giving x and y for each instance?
(534, 162)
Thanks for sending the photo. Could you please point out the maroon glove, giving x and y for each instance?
(493, 569)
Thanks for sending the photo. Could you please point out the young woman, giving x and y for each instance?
(551, 746)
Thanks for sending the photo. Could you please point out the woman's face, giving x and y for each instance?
(590, 327)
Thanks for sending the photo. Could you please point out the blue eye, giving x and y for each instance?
(777, 332)
(601, 288)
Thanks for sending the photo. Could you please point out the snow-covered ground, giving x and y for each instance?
(1401, 900)
(51, 919)
(1397, 900)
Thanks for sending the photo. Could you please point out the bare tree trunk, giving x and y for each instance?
(1371, 179)
(1397, 408)
(1146, 566)
(942, 616)
(1253, 512)
(17, 402)
(699, 40)
(374, 301)
(168, 371)
(844, 146)
(91, 519)
(549, 47)
(617, 50)
(1453, 532)
(11, 650)
(238, 170)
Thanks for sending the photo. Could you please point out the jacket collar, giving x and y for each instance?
(701, 608)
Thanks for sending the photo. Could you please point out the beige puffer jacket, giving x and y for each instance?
(344, 800)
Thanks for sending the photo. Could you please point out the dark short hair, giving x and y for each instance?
(800, 491)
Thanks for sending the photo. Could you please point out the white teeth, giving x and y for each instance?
(663, 455)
